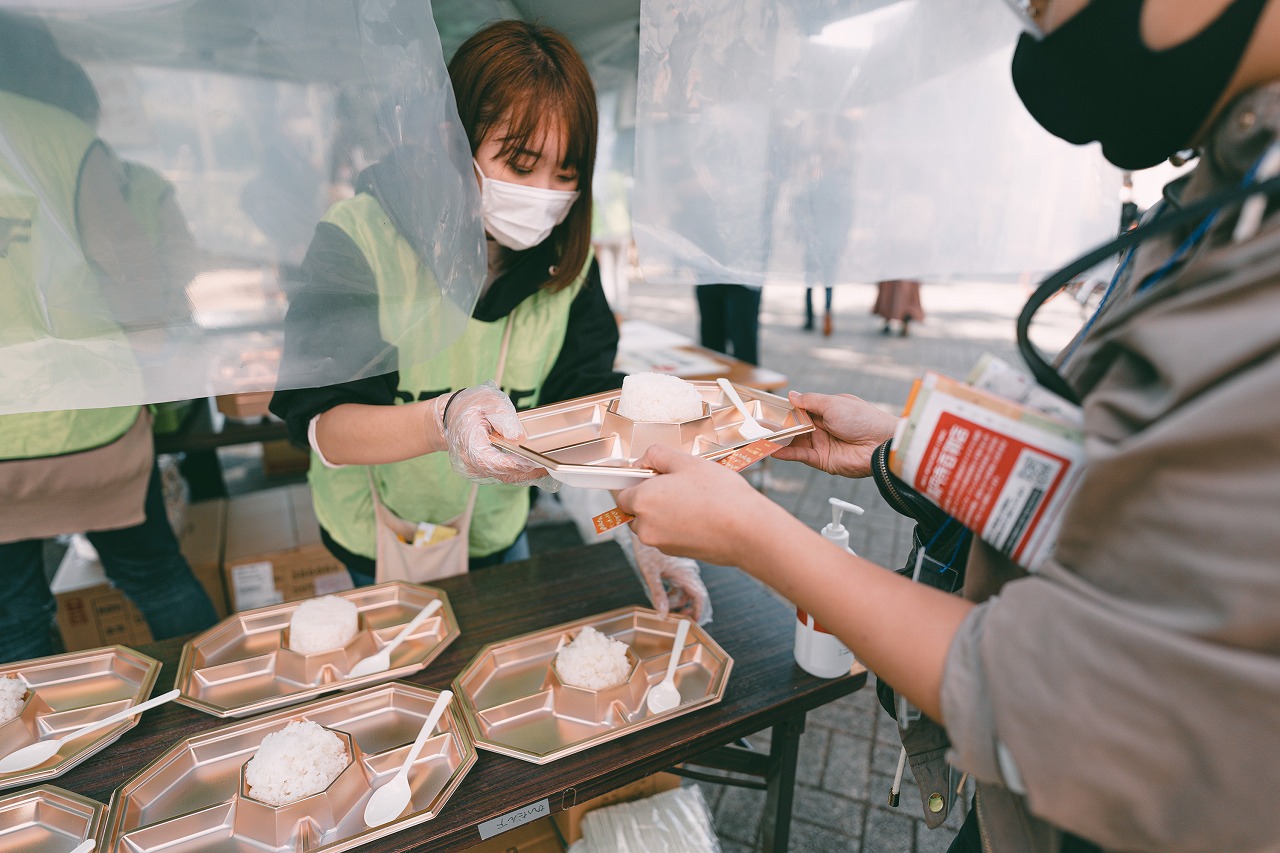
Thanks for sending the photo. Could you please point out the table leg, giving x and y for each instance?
(784, 753)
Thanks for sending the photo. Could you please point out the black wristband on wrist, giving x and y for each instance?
(444, 416)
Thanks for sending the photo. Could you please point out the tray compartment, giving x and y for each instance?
(605, 706)
(329, 667)
(303, 824)
(47, 819)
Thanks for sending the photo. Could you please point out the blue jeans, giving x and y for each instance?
(143, 562)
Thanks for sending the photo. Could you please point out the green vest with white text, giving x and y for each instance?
(426, 488)
(45, 148)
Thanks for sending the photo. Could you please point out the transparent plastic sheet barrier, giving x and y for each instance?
(163, 168)
(849, 140)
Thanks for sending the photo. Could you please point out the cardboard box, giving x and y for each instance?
(569, 821)
(249, 405)
(273, 551)
(201, 541)
(281, 458)
(537, 837)
(91, 612)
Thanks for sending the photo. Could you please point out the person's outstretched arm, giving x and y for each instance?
(699, 509)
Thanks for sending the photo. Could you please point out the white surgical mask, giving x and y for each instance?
(521, 217)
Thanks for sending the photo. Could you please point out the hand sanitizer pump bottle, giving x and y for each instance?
(817, 650)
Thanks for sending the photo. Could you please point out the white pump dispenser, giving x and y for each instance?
(835, 531)
(817, 650)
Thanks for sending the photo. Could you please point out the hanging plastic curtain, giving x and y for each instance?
(794, 141)
(163, 167)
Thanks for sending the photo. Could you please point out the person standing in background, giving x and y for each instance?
(729, 320)
(898, 300)
(90, 470)
(824, 214)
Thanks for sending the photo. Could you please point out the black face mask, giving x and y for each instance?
(1093, 78)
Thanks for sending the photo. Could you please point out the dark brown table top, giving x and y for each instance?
(765, 688)
(738, 371)
(198, 432)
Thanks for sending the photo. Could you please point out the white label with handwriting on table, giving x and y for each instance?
(512, 819)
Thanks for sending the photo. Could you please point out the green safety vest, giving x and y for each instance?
(39, 176)
(426, 488)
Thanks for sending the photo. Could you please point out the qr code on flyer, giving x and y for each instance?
(1036, 471)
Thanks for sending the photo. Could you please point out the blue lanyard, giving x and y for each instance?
(1179, 254)
(955, 552)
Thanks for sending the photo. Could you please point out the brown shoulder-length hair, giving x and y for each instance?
(519, 74)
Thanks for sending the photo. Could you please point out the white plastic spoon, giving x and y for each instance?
(85, 846)
(389, 801)
(41, 751)
(750, 428)
(380, 661)
(664, 696)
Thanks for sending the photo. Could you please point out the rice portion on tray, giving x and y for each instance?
(13, 692)
(301, 759)
(658, 398)
(593, 661)
(322, 624)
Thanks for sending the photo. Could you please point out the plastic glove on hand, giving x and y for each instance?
(473, 415)
(674, 583)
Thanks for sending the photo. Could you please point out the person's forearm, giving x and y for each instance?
(898, 629)
(358, 434)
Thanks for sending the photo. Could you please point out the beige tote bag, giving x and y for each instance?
(397, 560)
(104, 488)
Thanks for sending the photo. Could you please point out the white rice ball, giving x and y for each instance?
(593, 661)
(658, 398)
(322, 624)
(13, 692)
(299, 760)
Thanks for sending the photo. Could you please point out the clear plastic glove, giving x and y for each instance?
(674, 583)
(473, 415)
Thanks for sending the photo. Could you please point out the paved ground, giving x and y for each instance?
(850, 748)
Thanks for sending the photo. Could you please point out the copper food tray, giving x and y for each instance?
(586, 443)
(515, 704)
(69, 691)
(241, 666)
(192, 797)
(46, 820)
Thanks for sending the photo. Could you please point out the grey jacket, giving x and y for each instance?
(1129, 691)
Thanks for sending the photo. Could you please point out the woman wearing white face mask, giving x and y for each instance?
(416, 441)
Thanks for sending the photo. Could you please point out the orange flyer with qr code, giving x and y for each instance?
(1002, 470)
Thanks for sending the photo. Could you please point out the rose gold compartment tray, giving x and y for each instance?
(191, 799)
(69, 691)
(47, 820)
(584, 442)
(241, 667)
(515, 704)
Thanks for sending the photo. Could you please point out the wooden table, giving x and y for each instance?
(738, 371)
(766, 689)
(645, 346)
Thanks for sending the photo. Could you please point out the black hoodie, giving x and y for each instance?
(338, 289)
